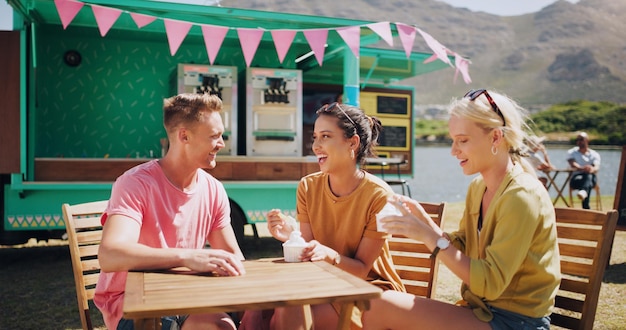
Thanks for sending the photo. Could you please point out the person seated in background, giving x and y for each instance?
(538, 156)
(505, 250)
(586, 163)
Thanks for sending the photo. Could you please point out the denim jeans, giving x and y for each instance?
(505, 320)
(586, 182)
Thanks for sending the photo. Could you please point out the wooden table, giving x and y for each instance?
(268, 283)
(552, 174)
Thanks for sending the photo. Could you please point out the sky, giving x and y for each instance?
(503, 7)
(496, 7)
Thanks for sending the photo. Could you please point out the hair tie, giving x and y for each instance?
(371, 120)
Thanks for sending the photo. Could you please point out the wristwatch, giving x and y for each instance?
(442, 244)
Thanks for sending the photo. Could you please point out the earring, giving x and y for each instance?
(494, 151)
(352, 153)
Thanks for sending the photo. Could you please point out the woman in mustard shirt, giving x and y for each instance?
(336, 208)
(505, 250)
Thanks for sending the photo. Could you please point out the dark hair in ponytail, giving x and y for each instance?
(353, 121)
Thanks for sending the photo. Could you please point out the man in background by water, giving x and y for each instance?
(586, 163)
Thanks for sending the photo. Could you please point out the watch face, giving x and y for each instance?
(443, 243)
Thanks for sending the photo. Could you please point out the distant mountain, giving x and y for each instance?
(564, 52)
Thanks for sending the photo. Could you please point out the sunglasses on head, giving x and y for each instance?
(331, 106)
(475, 93)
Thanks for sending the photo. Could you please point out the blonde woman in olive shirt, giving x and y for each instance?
(505, 250)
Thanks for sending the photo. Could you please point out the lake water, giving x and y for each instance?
(438, 176)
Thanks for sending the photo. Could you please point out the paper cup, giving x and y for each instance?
(292, 252)
(388, 209)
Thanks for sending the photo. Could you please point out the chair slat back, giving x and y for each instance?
(84, 232)
(412, 258)
(585, 238)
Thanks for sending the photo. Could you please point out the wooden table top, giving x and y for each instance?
(268, 283)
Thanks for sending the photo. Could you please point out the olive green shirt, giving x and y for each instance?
(515, 262)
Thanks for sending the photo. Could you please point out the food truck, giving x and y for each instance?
(83, 84)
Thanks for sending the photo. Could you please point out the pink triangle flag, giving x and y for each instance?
(213, 38)
(317, 42)
(176, 32)
(249, 40)
(407, 37)
(105, 17)
(142, 20)
(462, 65)
(68, 9)
(282, 42)
(383, 29)
(436, 47)
(432, 58)
(352, 37)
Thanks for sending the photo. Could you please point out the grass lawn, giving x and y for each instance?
(37, 286)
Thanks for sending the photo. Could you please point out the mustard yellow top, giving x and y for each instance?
(341, 222)
(515, 259)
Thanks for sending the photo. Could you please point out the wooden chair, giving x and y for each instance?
(84, 232)
(412, 258)
(585, 238)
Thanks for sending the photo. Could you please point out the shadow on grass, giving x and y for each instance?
(38, 289)
(616, 274)
(37, 285)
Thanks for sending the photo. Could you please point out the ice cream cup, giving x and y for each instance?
(292, 252)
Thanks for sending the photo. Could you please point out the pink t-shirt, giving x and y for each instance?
(169, 218)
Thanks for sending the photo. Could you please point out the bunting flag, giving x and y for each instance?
(352, 37)
(407, 37)
(105, 17)
(67, 9)
(282, 42)
(462, 65)
(249, 40)
(283, 38)
(317, 41)
(213, 38)
(383, 29)
(438, 49)
(142, 20)
(176, 32)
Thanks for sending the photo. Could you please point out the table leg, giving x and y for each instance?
(557, 188)
(308, 317)
(560, 191)
(345, 315)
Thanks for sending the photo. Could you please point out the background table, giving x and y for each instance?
(268, 283)
(381, 163)
(552, 174)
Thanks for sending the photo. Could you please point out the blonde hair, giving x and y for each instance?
(186, 109)
(483, 114)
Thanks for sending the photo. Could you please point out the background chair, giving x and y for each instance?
(412, 258)
(84, 232)
(585, 238)
(598, 197)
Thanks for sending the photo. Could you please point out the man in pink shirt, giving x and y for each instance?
(163, 212)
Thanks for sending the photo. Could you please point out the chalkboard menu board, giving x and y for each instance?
(620, 192)
(393, 136)
(393, 105)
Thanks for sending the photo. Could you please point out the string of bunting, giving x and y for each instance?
(250, 39)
